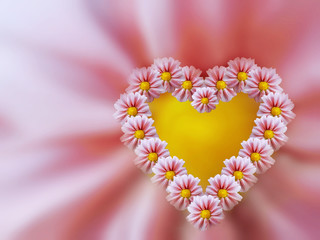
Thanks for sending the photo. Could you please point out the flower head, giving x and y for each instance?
(238, 71)
(204, 100)
(225, 188)
(215, 81)
(271, 129)
(243, 171)
(148, 152)
(259, 151)
(168, 71)
(166, 169)
(189, 85)
(144, 81)
(182, 190)
(262, 82)
(136, 129)
(277, 105)
(131, 105)
(204, 211)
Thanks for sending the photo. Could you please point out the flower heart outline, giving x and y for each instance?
(222, 83)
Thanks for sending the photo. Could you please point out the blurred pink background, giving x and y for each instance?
(63, 63)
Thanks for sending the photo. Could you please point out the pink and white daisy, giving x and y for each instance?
(148, 152)
(224, 188)
(192, 81)
(259, 151)
(144, 81)
(168, 71)
(204, 100)
(205, 211)
(277, 105)
(182, 190)
(238, 71)
(215, 81)
(131, 105)
(272, 129)
(262, 82)
(166, 169)
(137, 129)
(243, 171)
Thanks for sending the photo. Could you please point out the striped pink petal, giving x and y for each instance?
(206, 94)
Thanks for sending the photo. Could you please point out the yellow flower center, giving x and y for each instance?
(204, 100)
(132, 111)
(222, 193)
(221, 85)
(238, 175)
(139, 134)
(268, 134)
(187, 84)
(153, 157)
(185, 193)
(166, 76)
(255, 157)
(263, 86)
(145, 86)
(169, 175)
(205, 214)
(275, 111)
(242, 76)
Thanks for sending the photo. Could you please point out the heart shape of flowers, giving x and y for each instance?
(222, 83)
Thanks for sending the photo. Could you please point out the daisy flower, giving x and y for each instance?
(182, 190)
(166, 169)
(272, 129)
(168, 71)
(144, 81)
(131, 105)
(215, 81)
(205, 211)
(259, 151)
(238, 71)
(277, 105)
(225, 188)
(262, 82)
(189, 85)
(137, 129)
(204, 100)
(148, 152)
(243, 171)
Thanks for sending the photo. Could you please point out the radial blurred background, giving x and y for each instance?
(64, 173)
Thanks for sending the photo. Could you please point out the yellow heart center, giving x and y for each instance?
(204, 140)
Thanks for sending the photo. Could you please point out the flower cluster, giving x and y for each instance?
(222, 83)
